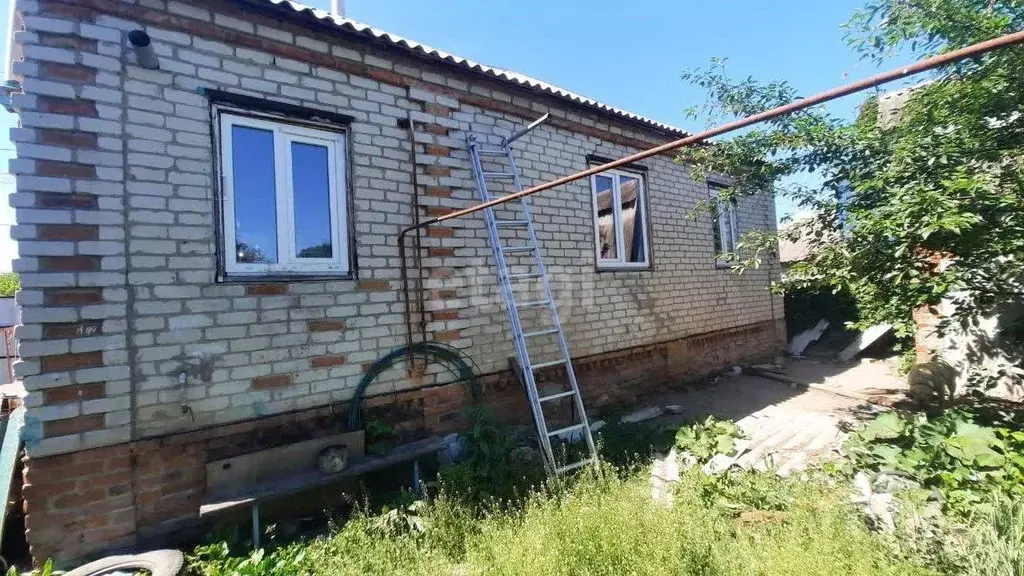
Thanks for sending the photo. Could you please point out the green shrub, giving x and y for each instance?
(9, 284)
(706, 439)
(951, 452)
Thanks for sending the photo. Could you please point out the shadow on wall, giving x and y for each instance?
(988, 352)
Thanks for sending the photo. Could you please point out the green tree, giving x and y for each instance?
(926, 203)
(9, 284)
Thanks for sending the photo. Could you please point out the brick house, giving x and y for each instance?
(176, 312)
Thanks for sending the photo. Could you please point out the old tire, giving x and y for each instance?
(156, 563)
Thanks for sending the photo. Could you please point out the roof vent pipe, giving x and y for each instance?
(143, 46)
(338, 8)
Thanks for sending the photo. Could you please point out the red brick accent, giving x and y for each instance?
(443, 294)
(71, 138)
(440, 232)
(76, 425)
(67, 201)
(438, 315)
(447, 335)
(435, 252)
(438, 191)
(435, 129)
(442, 273)
(56, 9)
(326, 325)
(267, 289)
(73, 232)
(74, 393)
(69, 107)
(85, 502)
(62, 362)
(67, 73)
(374, 285)
(437, 110)
(72, 330)
(272, 381)
(438, 170)
(329, 360)
(439, 210)
(436, 150)
(72, 296)
(69, 263)
(65, 169)
(66, 41)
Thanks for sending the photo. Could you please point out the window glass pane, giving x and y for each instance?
(632, 223)
(255, 198)
(716, 226)
(311, 193)
(607, 248)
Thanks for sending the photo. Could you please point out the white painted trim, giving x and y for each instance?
(284, 136)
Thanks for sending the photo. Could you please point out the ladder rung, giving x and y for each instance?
(566, 429)
(524, 248)
(533, 304)
(556, 396)
(510, 222)
(546, 364)
(540, 333)
(499, 175)
(574, 465)
(525, 276)
(491, 152)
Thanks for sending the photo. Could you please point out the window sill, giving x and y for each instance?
(270, 278)
(621, 268)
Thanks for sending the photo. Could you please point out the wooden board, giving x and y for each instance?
(230, 499)
(9, 457)
(248, 469)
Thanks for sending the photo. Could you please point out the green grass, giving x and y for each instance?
(606, 525)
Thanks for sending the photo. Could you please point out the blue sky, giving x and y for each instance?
(628, 54)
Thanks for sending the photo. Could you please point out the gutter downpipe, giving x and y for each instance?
(931, 63)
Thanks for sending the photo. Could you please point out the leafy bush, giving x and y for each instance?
(705, 439)
(9, 284)
(951, 452)
(739, 490)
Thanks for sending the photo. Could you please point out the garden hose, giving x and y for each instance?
(448, 356)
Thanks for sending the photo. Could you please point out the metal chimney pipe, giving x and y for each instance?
(338, 8)
(143, 46)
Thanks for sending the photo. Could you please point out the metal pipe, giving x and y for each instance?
(417, 259)
(143, 46)
(338, 8)
(527, 130)
(801, 104)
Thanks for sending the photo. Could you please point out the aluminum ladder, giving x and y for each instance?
(509, 281)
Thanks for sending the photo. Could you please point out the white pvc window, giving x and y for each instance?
(284, 198)
(620, 220)
(726, 230)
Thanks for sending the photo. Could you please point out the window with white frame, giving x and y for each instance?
(725, 226)
(284, 198)
(620, 220)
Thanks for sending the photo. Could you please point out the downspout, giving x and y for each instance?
(417, 262)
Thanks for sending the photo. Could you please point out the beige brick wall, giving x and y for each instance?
(115, 208)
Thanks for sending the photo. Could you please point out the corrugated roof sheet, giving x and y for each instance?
(501, 74)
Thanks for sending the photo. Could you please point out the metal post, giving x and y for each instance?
(255, 525)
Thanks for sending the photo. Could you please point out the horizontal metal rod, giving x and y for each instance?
(801, 104)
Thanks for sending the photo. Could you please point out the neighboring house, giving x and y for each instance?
(208, 250)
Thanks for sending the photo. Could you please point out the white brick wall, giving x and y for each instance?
(156, 178)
